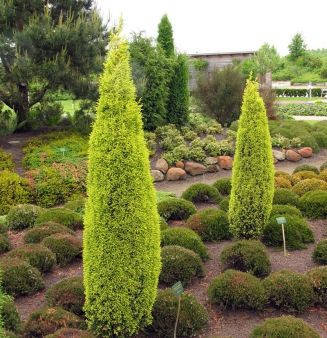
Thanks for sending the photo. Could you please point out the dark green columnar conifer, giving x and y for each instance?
(178, 100)
(165, 36)
(121, 241)
(253, 171)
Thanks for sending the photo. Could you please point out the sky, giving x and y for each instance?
(224, 25)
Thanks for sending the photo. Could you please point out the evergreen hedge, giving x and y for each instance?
(121, 254)
(253, 173)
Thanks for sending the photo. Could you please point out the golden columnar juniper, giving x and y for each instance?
(253, 171)
(122, 238)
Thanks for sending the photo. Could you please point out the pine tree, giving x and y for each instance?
(45, 46)
(297, 47)
(178, 101)
(253, 170)
(165, 36)
(121, 254)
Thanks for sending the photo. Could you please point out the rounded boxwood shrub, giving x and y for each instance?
(22, 216)
(314, 204)
(318, 278)
(309, 184)
(285, 196)
(223, 185)
(284, 327)
(224, 204)
(48, 320)
(306, 167)
(37, 234)
(303, 175)
(323, 166)
(174, 208)
(289, 291)
(72, 333)
(201, 192)
(185, 238)
(19, 277)
(36, 255)
(210, 224)
(297, 232)
(5, 244)
(283, 174)
(66, 217)
(323, 175)
(13, 190)
(179, 264)
(234, 289)
(319, 254)
(247, 256)
(193, 316)
(66, 247)
(9, 314)
(284, 209)
(282, 182)
(76, 203)
(68, 294)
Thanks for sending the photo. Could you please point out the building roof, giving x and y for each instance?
(223, 53)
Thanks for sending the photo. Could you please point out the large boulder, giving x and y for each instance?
(279, 155)
(194, 168)
(161, 165)
(179, 164)
(225, 162)
(175, 174)
(292, 155)
(305, 152)
(157, 175)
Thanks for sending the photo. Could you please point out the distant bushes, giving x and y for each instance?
(22, 216)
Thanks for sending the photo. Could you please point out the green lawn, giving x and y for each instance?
(304, 99)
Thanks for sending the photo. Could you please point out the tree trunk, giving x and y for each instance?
(21, 107)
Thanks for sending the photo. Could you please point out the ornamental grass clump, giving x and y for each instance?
(121, 240)
(253, 171)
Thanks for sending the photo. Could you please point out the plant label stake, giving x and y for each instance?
(282, 221)
(178, 290)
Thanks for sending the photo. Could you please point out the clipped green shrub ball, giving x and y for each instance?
(19, 277)
(286, 196)
(224, 204)
(247, 256)
(237, 290)
(281, 182)
(66, 217)
(174, 208)
(314, 204)
(289, 291)
(303, 175)
(297, 232)
(68, 294)
(309, 184)
(22, 216)
(193, 316)
(37, 234)
(48, 320)
(5, 244)
(36, 255)
(284, 209)
(9, 314)
(71, 333)
(201, 192)
(210, 224)
(284, 327)
(66, 247)
(318, 279)
(179, 264)
(13, 190)
(185, 238)
(306, 167)
(319, 254)
(223, 185)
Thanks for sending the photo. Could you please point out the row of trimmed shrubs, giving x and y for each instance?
(63, 315)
